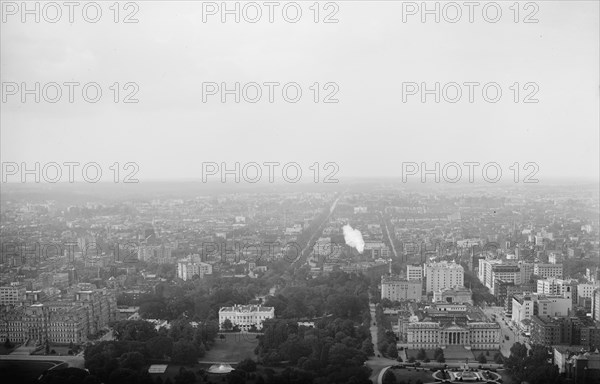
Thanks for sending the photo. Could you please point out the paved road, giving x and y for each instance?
(387, 232)
(73, 361)
(316, 234)
(505, 330)
(377, 364)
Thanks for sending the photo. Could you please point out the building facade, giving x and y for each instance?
(443, 275)
(246, 316)
(453, 295)
(188, 268)
(494, 270)
(12, 295)
(63, 321)
(525, 306)
(395, 288)
(596, 304)
(414, 272)
(431, 335)
(548, 270)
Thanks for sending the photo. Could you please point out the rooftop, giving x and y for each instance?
(247, 308)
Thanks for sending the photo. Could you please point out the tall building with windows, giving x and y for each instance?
(565, 330)
(12, 295)
(553, 286)
(395, 288)
(525, 306)
(187, 268)
(414, 272)
(526, 270)
(492, 270)
(586, 290)
(596, 304)
(548, 270)
(443, 275)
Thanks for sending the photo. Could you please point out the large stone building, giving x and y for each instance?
(586, 290)
(596, 304)
(511, 290)
(431, 335)
(565, 330)
(443, 275)
(61, 321)
(246, 316)
(525, 306)
(443, 325)
(414, 272)
(395, 288)
(12, 295)
(553, 286)
(548, 270)
(494, 270)
(191, 266)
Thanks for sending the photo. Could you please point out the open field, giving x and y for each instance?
(450, 354)
(413, 375)
(234, 348)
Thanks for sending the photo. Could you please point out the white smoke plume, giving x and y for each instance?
(353, 238)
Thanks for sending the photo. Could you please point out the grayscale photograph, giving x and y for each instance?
(300, 192)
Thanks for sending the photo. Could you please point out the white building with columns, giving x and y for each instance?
(431, 335)
(245, 316)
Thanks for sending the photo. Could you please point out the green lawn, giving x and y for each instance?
(234, 348)
(414, 352)
(404, 375)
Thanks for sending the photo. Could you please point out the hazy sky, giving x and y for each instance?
(369, 54)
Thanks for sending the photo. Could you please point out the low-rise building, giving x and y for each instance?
(453, 295)
(246, 316)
